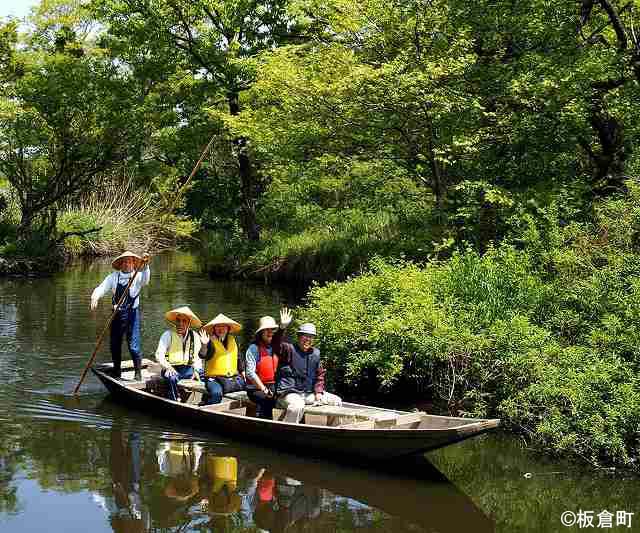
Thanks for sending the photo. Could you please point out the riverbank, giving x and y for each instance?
(22, 266)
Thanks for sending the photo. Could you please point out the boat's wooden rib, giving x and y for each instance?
(365, 432)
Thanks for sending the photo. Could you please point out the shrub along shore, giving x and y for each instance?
(544, 334)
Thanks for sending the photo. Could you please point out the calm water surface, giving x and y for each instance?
(86, 464)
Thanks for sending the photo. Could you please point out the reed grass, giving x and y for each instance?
(128, 217)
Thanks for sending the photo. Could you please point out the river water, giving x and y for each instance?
(87, 464)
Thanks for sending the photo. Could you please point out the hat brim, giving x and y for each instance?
(117, 262)
(275, 328)
(223, 320)
(171, 316)
(233, 328)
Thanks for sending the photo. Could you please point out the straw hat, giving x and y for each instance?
(185, 311)
(224, 320)
(267, 322)
(117, 262)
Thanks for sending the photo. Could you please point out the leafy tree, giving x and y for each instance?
(217, 42)
(68, 117)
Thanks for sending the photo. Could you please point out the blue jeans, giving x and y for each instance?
(184, 372)
(264, 403)
(125, 323)
(215, 391)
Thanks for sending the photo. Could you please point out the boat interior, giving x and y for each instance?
(346, 416)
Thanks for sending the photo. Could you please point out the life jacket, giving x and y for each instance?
(300, 374)
(223, 471)
(181, 351)
(265, 487)
(266, 365)
(224, 361)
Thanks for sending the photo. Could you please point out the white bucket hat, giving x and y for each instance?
(185, 311)
(307, 329)
(267, 322)
(221, 319)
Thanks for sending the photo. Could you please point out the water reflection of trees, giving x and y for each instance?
(9, 463)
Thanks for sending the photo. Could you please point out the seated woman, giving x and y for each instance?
(178, 349)
(221, 359)
(261, 362)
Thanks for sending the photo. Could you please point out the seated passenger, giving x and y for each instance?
(221, 359)
(300, 376)
(178, 349)
(261, 365)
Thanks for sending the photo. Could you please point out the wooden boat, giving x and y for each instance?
(350, 431)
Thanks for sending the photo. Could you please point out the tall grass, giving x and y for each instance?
(126, 217)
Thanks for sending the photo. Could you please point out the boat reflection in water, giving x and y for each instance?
(175, 483)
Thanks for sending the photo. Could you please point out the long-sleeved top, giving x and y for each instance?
(285, 351)
(251, 361)
(122, 278)
(164, 344)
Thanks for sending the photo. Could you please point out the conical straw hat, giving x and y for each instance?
(267, 322)
(171, 316)
(117, 262)
(234, 327)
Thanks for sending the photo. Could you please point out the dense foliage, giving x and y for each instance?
(544, 335)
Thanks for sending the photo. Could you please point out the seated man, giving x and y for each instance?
(300, 375)
(179, 351)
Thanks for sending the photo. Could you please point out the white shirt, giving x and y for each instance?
(122, 278)
(165, 343)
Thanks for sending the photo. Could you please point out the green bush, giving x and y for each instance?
(542, 333)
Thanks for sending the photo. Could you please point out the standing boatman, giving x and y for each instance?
(127, 319)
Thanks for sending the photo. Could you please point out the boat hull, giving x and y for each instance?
(338, 443)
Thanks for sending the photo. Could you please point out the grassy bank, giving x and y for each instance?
(104, 222)
(542, 333)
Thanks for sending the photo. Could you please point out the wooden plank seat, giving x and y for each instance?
(342, 416)
(238, 395)
(194, 385)
(198, 389)
(332, 415)
(126, 365)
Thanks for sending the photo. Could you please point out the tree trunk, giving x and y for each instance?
(25, 228)
(439, 185)
(609, 160)
(250, 188)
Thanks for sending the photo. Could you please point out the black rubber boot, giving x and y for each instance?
(137, 375)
